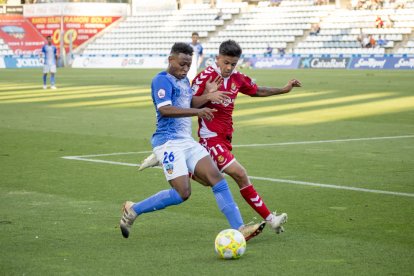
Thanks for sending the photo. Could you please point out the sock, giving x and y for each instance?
(255, 201)
(227, 205)
(158, 201)
(44, 79)
(52, 79)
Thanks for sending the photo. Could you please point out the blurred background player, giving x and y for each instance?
(50, 57)
(197, 56)
(178, 152)
(216, 135)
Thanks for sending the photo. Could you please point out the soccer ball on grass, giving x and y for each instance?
(230, 244)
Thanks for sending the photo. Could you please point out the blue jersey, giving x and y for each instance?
(198, 49)
(49, 54)
(168, 90)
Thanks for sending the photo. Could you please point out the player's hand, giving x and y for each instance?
(292, 83)
(295, 83)
(219, 96)
(213, 85)
(206, 113)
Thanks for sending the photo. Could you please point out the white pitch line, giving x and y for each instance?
(277, 180)
(331, 186)
(100, 161)
(325, 141)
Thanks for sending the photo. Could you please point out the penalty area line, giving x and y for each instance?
(276, 180)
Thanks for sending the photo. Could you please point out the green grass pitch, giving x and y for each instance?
(60, 216)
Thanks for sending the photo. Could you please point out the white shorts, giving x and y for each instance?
(49, 68)
(179, 157)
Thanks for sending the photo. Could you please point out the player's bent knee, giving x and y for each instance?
(185, 194)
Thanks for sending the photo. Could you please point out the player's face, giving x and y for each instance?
(226, 64)
(179, 65)
(194, 39)
(49, 40)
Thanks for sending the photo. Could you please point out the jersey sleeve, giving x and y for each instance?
(248, 86)
(161, 91)
(200, 51)
(44, 49)
(198, 85)
(54, 50)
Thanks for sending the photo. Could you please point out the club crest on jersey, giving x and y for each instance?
(169, 168)
(221, 160)
(233, 88)
(161, 93)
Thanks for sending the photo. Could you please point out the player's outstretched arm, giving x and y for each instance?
(271, 91)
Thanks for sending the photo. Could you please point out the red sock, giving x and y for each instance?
(255, 201)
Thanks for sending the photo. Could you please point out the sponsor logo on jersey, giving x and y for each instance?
(169, 168)
(161, 93)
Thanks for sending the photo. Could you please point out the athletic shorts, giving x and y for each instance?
(220, 150)
(179, 157)
(49, 68)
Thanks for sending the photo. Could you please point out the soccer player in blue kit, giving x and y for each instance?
(197, 56)
(178, 152)
(50, 57)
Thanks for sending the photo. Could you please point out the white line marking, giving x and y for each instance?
(277, 180)
(331, 186)
(100, 161)
(85, 158)
(107, 154)
(324, 141)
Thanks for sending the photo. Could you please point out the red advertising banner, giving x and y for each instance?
(80, 28)
(20, 35)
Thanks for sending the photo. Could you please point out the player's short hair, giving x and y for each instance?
(194, 33)
(230, 48)
(181, 48)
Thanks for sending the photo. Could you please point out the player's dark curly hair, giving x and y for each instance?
(230, 48)
(181, 48)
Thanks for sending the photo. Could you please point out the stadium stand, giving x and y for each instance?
(341, 30)
(265, 25)
(144, 33)
(287, 26)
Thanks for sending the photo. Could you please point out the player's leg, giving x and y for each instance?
(45, 71)
(207, 172)
(252, 197)
(176, 172)
(220, 150)
(52, 76)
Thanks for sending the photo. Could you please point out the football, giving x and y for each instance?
(230, 244)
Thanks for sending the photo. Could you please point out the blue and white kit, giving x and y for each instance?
(172, 142)
(49, 54)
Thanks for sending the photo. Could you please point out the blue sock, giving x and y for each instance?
(227, 205)
(44, 79)
(52, 80)
(158, 201)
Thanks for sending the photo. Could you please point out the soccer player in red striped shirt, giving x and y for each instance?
(216, 135)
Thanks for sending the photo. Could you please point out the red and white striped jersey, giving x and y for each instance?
(222, 124)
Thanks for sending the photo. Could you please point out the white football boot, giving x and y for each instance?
(53, 87)
(277, 221)
(150, 161)
(128, 218)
